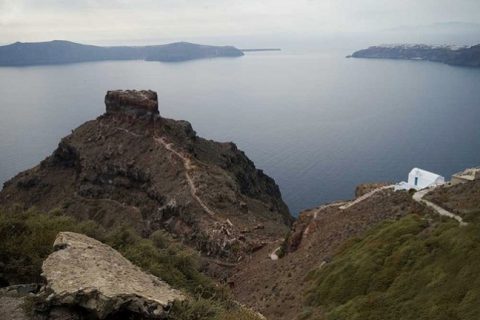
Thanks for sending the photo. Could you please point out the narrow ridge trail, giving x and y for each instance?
(317, 211)
(187, 164)
(364, 197)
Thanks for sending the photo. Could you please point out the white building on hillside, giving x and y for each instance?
(420, 179)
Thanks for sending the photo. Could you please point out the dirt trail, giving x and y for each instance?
(364, 197)
(418, 196)
(187, 164)
(317, 211)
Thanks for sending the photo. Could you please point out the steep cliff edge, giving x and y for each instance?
(131, 166)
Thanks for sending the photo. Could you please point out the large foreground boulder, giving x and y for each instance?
(86, 273)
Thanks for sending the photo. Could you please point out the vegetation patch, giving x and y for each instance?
(404, 269)
(26, 239)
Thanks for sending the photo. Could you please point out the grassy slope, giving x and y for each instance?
(26, 239)
(405, 269)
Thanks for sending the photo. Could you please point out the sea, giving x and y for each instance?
(315, 121)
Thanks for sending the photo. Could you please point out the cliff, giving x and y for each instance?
(60, 52)
(132, 166)
(463, 56)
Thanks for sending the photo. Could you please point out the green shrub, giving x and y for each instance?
(403, 269)
(209, 309)
(26, 239)
(195, 309)
(284, 246)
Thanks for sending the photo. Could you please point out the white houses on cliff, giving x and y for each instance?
(420, 179)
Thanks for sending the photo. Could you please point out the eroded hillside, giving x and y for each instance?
(131, 166)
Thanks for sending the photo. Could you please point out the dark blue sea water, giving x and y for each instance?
(318, 123)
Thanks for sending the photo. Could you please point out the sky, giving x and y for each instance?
(124, 21)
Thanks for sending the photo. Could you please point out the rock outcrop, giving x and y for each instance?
(137, 103)
(85, 273)
(131, 166)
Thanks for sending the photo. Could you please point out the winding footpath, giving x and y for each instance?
(317, 211)
(187, 164)
(418, 197)
(364, 197)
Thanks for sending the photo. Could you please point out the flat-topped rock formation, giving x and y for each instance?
(137, 103)
(86, 273)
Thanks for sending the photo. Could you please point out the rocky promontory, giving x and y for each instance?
(131, 166)
(187, 228)
(458, 56)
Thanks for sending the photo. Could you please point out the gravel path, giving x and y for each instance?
(418, 196)
(364, 197)
(187, 164)
(317, 211)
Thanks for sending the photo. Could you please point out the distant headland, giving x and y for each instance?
(452, 55)
(62, 52)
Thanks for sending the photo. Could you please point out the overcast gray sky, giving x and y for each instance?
(123, 20)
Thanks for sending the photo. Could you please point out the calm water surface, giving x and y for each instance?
(318, 123)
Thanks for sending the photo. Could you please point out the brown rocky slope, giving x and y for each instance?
(276, 287)
(131, 166)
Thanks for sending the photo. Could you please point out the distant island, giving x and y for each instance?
(61, 52)
(457, 56)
